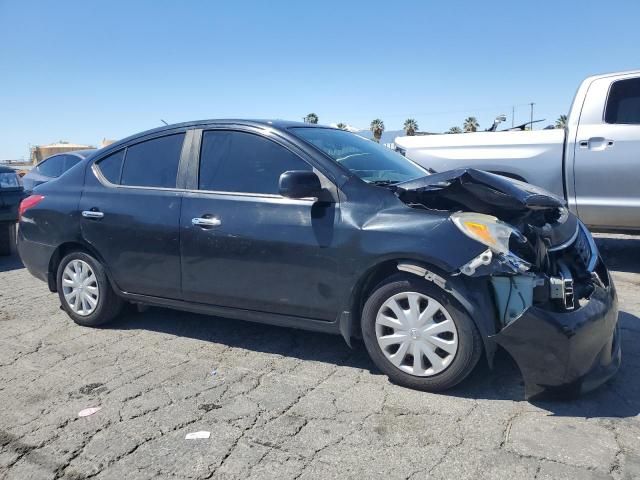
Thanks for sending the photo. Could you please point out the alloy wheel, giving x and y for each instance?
(80, 287)
(416, 334)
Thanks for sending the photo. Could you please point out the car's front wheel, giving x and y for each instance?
(419, 335)
(85, 292)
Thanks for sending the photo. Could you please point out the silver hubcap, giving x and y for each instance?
(416, 334)
(80, 287)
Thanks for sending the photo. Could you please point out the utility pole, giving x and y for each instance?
(513, 115)
(531, 126)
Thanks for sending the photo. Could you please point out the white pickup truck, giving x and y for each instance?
(594, 163)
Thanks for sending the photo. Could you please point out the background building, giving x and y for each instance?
(40, 152)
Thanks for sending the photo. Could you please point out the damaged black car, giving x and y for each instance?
(316, 228)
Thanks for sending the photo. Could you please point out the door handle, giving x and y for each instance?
(206, 222)
(596, 143)
(92, 214)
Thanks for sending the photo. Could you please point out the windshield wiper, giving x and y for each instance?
(382, 183)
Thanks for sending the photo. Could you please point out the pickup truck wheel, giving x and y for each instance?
(85, 292)
(419, 335)
(6, 238)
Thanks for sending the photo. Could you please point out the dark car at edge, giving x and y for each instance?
(312, 227)
(11, 193)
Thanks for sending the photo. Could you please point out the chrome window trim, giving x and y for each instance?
(106, 183)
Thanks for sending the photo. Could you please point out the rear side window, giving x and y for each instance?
(623, 105)
(153, 163)
(244, 163)
(70, 161)
(111, 166)
(52, 166)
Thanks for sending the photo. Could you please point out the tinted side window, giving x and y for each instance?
(52, 166)
(153, 163)
(70, 161)
(243, 162)
(623, 105)
(111, 166)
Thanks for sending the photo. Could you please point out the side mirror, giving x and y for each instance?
(299, 184)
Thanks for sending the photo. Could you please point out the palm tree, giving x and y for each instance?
(561, 122)
(471, 124)
(410, 127)
(311, 118)
(377, 127)
(342, 126)
(455, 130)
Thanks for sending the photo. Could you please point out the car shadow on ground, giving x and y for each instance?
(619, 398)
(620, 252)
(9, 263)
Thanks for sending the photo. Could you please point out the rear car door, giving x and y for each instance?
(131, 211)
(260, 251)
(607, 155)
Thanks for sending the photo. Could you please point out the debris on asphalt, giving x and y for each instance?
(214, 372)
(197, 435)
(207, 407)
(89, 411)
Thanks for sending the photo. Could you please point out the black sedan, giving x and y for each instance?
(52, 167)
(316, 228)
(11, 194)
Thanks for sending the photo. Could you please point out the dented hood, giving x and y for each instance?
(478, 191)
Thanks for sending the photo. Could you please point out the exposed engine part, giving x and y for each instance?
(483, 259)
(497, 263)
(562, 287)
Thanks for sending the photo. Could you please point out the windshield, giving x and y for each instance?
(370, 161)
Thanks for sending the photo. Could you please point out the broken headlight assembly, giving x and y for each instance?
(496, 235)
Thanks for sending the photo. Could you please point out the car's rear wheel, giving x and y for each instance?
(419, 335)
(85, 292)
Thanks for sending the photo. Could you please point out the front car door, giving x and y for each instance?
(131, 212)
(259, 251)
(607, 154)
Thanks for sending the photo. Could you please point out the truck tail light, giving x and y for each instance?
(27, 203)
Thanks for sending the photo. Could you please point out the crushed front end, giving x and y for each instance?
(555, 302)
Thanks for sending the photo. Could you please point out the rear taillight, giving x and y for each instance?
(27, 203)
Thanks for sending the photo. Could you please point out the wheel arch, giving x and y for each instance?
(69, 247)
(476, 301)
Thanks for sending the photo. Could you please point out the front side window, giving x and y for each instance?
(368, 160)
(623, 104)
(242, 162)
(52, 166)
(153, 163)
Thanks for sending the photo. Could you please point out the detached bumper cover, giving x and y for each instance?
(566, 353)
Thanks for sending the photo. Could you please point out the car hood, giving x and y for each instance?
(533, 210)
(478, 191)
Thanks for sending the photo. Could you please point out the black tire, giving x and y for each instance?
(469, 348)
(6, 238)
(109, 305)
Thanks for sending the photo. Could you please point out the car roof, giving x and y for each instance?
(4, 169)
(82, 153)
(278, 124)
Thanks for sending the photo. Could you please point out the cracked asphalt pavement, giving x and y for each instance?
(282, 403)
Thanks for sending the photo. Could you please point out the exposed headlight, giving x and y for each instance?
(485, 229)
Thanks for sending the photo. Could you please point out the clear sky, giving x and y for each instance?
(83, 70)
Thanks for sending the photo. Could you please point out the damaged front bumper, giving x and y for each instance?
(566, 353)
